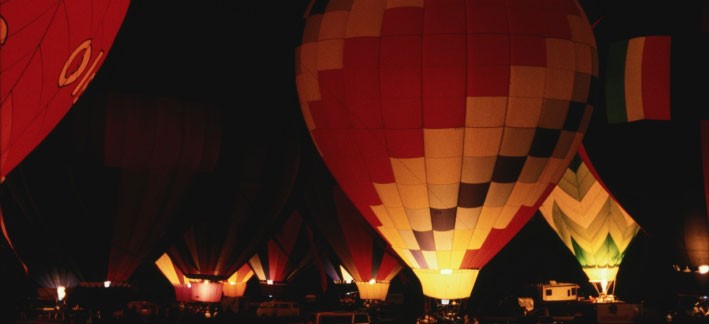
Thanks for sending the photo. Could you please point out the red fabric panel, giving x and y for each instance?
(331, 111)
(363, 97)
(401, 78)
(556, 26)
(361, 52)
(405, 143)
(277, 262)
(373, 149)
(488, 81)
(487, 18)
(656, 78)
(524, 20)
(444, 17)
(389, 265)
(444, 81)
(528, 50)
(402, 21)
(487, 49)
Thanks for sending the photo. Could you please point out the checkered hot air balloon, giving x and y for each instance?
(446, 122)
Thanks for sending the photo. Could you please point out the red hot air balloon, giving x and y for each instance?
(50, 52)
(446, 122)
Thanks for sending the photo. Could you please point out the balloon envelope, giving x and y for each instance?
(446, 122)
(590, 222)
(51, 51)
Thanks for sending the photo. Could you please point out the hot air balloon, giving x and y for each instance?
(283, 256)
(99, 196)
(591, 224)
(363, 257)
(446, 123)
(51, 51)
(234, 208)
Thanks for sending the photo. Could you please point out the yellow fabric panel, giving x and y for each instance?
(398, 217)
(584, 58)
(366, 18)
(559, 84)
(382, 215)
(569, 184)
(581, 30)
(488, 216)
(443, 240)
(444, 258)
(485, 111)
(406, 255)
(420, 219)
(498, 193)
(431, 259)
(165, 265)
(443, 170)
(516, 141)
(388, 194)
(466, 218)
(523, 112)
(481, 142)
(506, 216)
(330, 54)
(554, 170)
(409, 171)
(255, 263)
(407, 236)
(586, 180)
(333, 25)
(524, 194)
(392, 236)
(527, 81)
(457, 258)
(461, 239)
(414, 196)
(308, 66)
(443, 196)
(457, 285)
(553, 113)
(532, 168)
(477, 169)
(478, 238)
(443, 142)
(404, 3)
(561, 54)
(633, 79)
